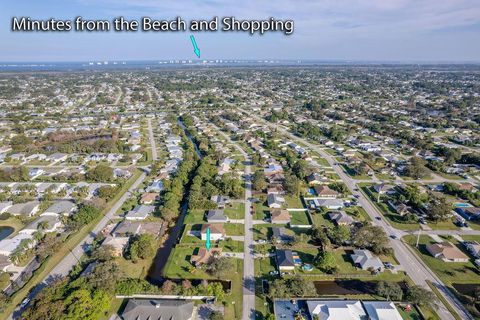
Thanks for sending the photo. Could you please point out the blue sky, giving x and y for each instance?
(366, 30)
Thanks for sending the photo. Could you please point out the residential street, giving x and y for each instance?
(248, 248)
(409, 261)
(69, 261)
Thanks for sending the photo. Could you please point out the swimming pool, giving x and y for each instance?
(462, 205)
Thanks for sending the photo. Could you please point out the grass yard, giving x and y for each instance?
(234, 229)
(321, 219)
(354, 175)
(264, 266)
(12, 222)
(449, 272)
(299, 218)
(195, 216)
(235, 210)
(261, 211)
(294, 202)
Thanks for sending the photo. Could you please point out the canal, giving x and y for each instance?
(155, 272)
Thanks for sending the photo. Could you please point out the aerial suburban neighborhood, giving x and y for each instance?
(295, 192)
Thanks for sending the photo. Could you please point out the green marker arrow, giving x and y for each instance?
(207, 245)
(195, 47)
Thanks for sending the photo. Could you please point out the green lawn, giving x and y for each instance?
(235, 210)
(354, 175)
(261, 211)
(234, 229)
(195, 216)
(12, 222)
(449, 272)
(321, 219)
(299, 218)
(294, 202)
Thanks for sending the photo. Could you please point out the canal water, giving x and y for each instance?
(155, 272)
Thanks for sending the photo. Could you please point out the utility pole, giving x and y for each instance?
(418, 237)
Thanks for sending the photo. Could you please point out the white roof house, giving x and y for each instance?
(381, 310)
(337, 310)
(8, 246)
(140, 212)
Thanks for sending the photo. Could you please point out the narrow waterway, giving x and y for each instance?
(155, 272)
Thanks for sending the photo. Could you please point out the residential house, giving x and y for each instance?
(117, 243)
(149, 197)
(44, 223)
(156, 186)
(447, 252)
(140, 212)
(24, 209)
(341, 218)
(216, 216)
(9, 245)
(381, 310)
(4, 206)
(221, 201)
(336, 309)
(275, 189)
(325, 192)
(316, 178)
(65, 208)
(331, 204)
(469, 213)
(285, 261)
(473, 247)
(149, 309)
(217, 232)
(127, 228)
(275, 201)
(365, 260)
(282, 235)
(279, 216)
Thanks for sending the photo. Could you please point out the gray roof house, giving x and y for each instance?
(149, 309)
(140, 212)
(221, 201)
(285, 260)
(127, 228)
(365, 260)
(216, 216)
(275, 201)
(4, 206)
(281, 235)
(61, 208)
(25, 209)
(341, 218)
(48, 223)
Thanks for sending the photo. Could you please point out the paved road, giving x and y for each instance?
(69, 261)
(152, 140)
(414, 267)
(248, 309)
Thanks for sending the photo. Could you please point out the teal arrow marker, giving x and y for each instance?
(195, 47)
(207, 245)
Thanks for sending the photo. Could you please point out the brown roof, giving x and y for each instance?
(203, 255)
(215, 228)
(465, 186)
(323, 190)
(149, 197)
(448, 251)
(279, 215)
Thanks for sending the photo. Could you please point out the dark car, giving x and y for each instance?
(378, 218)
